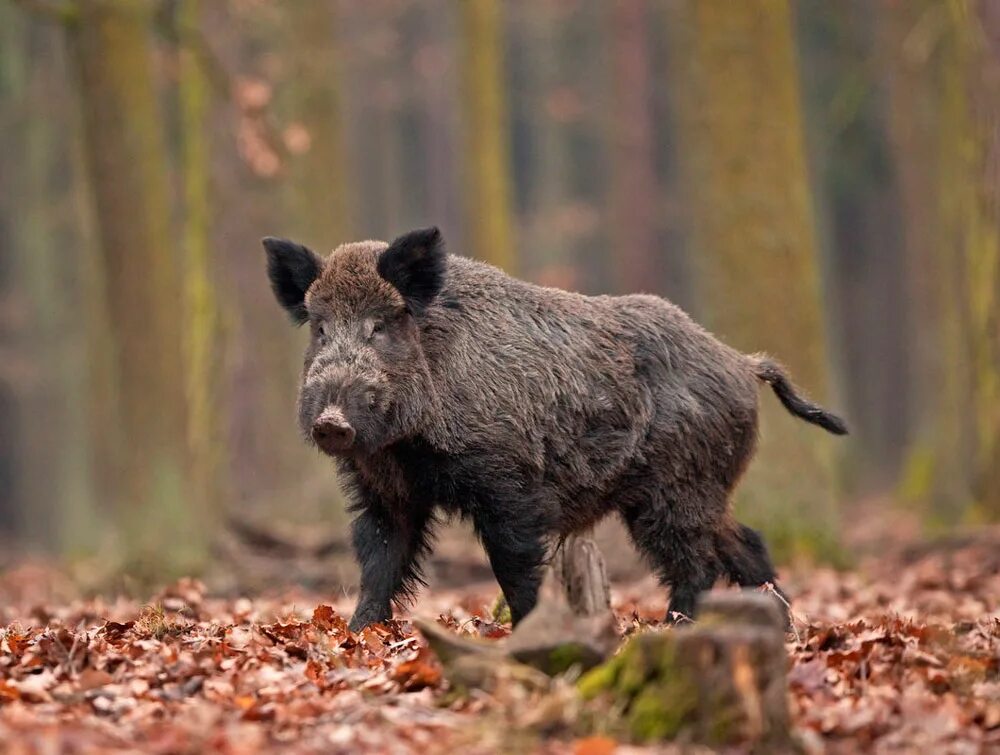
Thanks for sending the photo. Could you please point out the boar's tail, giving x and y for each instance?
(773, 374)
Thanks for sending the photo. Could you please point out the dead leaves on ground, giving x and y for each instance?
(900, 656)
(220, 676)
(906, 658)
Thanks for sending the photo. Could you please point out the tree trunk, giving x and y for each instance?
(944, 98)
(979, 222)
(489, 224)
(437, 110)
(634, 188)
(203, 338)
(542, 69)
(270, 468)
(14, 83)
(319, 189)
(858, 199)
(43, 371)
(142, 436)
(741, 134)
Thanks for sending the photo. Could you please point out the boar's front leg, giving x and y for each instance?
(388, 545)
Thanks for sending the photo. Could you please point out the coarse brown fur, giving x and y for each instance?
(532, 411)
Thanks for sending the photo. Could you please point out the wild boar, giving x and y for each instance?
(443, 386)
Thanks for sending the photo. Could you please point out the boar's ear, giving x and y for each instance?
(292, 268)
(415, 264)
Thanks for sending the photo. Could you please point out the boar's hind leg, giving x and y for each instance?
(746, 560)
(516, 550)
(388, 549)
(684, 557)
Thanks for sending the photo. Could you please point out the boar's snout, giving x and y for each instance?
(332, 432)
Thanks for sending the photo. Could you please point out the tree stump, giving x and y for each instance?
(718, 682)
(579, 567)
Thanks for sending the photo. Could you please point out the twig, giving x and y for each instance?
(400, 643)
(769, 587)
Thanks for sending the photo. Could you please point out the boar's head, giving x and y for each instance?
(365, 382)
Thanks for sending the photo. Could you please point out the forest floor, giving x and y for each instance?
(901, 654)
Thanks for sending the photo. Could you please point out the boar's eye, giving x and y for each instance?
(374, 327)
(323, 330)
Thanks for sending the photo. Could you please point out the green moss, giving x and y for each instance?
(598, 680)
(649, 653)
(564, 657)
(721, 726)
(501, 610)
(660, 711)
(645, 682)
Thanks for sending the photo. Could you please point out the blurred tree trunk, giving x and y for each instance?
(143, 436)
(14, 65)
(42, 381)
(969, 257)
(860, 213)
(489, 223)
(541, 141)
(944, 100)
(10, 474)
(912, 122)
(262, 441)
(741, 132)
(634, 188)
(319, 196)
(386, 156)
(203, 337)
(436, 76)
(373, 80)
(983, 270)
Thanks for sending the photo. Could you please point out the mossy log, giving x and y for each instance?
(717, 682)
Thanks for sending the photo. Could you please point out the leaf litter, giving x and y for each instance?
(901, 655)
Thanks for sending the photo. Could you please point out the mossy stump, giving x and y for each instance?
(720, 681)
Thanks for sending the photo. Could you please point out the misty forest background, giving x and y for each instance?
(814, 179)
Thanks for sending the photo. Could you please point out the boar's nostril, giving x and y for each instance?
(333, 434)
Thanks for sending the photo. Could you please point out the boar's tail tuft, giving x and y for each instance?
(773, 374)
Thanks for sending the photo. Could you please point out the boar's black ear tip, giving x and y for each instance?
(415, 264)
(273, 243)
(420, 239)
(433, 235)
